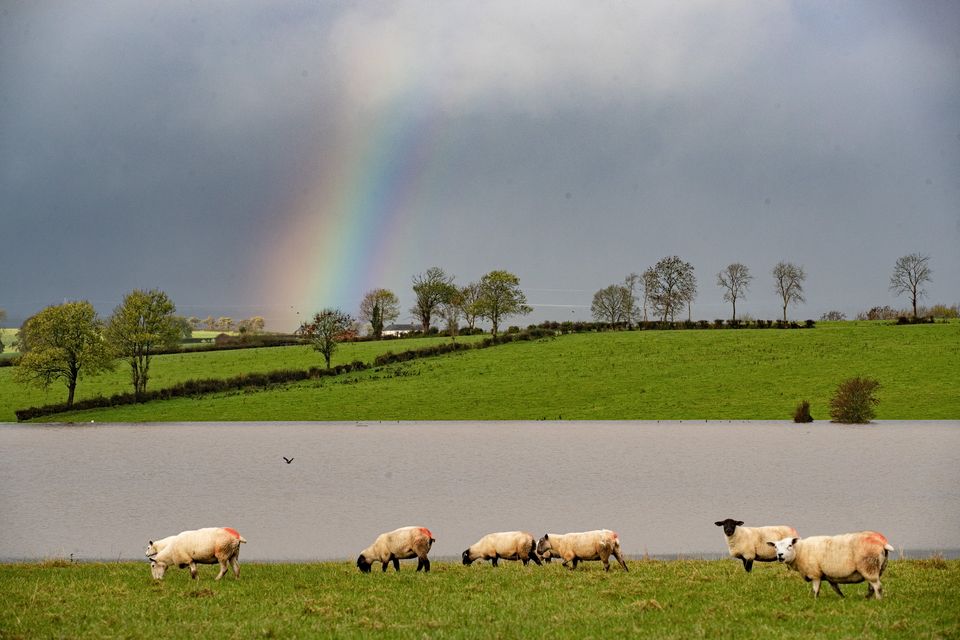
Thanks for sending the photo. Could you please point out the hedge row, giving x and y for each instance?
(193, 388)
(656, 325)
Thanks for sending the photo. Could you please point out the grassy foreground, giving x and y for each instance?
(647, 375)
(681, 598)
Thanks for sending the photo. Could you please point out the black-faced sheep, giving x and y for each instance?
(189, 548)
(848, 558)
(750, 543)
(504, 545)
(588, 545)
(397, 545)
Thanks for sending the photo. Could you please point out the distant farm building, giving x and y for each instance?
(397, 330)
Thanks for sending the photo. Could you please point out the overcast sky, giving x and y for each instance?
(220, 150)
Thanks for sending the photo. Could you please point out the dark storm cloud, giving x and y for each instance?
(159, 144)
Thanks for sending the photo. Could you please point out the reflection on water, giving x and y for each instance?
(101, 491)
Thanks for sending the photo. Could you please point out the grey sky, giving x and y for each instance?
(162, 144)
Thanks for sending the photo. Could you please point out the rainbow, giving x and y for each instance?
(341, 235)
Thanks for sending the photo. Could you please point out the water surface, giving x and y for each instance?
(102, 491)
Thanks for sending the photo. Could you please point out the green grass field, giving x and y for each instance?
(675, 599)
(652, 375)
(167, 370)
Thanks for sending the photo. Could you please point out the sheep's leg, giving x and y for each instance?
(384, 565)
(235, 564)
(495, 560)
(747, 564)
(616, 554)
(874, 589)
(193, 570)
(836, 588)
(816, 587)
(223, 568)
(575, 562)
(535, 558)
(396, 563)
(423, 563)
(605, 559)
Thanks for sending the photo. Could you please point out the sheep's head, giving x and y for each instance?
(729, 525)
(543, 546)
(785, 549)
(151, 549)
(157, 569)
(363, 564)
(466, 557)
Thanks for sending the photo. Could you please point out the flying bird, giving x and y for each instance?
(286, 459)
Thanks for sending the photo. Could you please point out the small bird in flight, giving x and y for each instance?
(286, 459)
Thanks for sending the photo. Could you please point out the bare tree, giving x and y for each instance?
(432, 289)
(630, 283)
(735, 280)
(610, 304)
(379, 307)
(909, 275)
(788, 283)
(669, 285)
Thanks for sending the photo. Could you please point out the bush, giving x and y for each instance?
(854, 401)
(802, 412)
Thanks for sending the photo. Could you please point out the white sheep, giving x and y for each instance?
(848, 558)
(397, 545)
(506, 545)
(189, 548)
(587, 545)
(750, 543)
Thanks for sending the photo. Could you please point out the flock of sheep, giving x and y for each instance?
(842, 559)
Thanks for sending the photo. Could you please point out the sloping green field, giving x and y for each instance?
(676, 599)
(650, 375)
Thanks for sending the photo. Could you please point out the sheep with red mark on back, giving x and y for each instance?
(203, 546)
(399, 544)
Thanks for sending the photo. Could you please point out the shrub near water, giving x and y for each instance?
(853, 402)
(802, 412)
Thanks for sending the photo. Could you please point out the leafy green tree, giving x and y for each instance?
(142, 324)
(431, 289)
(788, 282)
(469, 300)
(379, 307)
(252, 325)
(65, 342)
(501, 297)
(325, 330)
(909, 275)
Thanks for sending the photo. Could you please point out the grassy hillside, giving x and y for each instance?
(169, 369)
(677, 599)
(757, 374)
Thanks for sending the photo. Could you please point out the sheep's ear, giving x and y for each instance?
(739, 523)
(719, 524)
(772, 544)
(149, 542)
(794, 540)
(546, 536)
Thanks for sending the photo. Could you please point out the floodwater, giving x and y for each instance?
(103, 491)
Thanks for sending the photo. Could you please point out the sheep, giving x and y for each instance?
(508, 545)
(203, 546)
(397, 545)
(588, 545)
(749, 543)
(848, 558)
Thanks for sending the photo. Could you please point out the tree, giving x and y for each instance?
(909, 275)
(210, 323)
(669, 285)
(379, 307)
(252, 325)
(501, 297)
(451, 311)
(65, 342)
(432, 289)
(142, 324)
(788, 282)
(630, 284)
(611, 304)
(183, 324)
(735, 280)
(3, 316)
(469, 297)
(224, 323)
(854, 401)
(326, 330)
